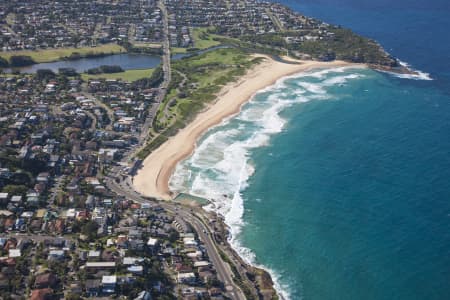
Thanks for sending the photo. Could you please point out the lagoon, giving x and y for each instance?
(127, 61)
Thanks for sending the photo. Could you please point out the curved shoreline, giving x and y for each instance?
(153, 178)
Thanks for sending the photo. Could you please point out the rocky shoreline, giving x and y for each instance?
(255, 282)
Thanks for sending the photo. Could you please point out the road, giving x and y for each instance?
(124, 186)
(223, 269)
(167, 76)
(99, 103)
(224, 273)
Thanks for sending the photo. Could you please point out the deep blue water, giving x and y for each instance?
(351, 200)
(415, 31)
(338, 181)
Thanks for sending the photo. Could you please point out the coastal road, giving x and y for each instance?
(223, 269)
(125, 188)
(224, 273)
(167, 76)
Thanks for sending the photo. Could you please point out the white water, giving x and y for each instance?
(220, 167)
(418, 76)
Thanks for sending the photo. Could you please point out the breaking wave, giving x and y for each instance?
(221, 165)
(419, 75)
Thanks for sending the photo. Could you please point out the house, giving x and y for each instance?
(27, 214)
(109, 284)
(122, 242)
(15, 253)
(41, 294)
(186, 278)
(214, 292)
(189, 242)
(129, 261)
(33, 200)
(9, 224)
(75, 288)
(93, 255)
(60, 226)
(144, 295)
(109, 255)
(137, 245)
(36, 225)
(135, 233)
(24, 243)
(152, 245)
(56, 255)
(100, 265)
(107, 155)
(92, 287)
(45, 280)
(16, 199)
(43, 177)
(3, 198)
(137, 270)
(199, 264)
(11, 243)
(205, 276)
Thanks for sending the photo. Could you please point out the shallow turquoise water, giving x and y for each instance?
(337, 181)
(351, 201)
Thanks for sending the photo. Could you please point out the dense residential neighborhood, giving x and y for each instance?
(62, 230)
(51, 24)
(71, 224)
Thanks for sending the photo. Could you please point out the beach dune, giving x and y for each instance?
(153, 178)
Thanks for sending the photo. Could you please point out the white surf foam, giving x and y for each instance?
(320, 74)
(339, 80)
(418, 76)
(312, 87)
(284, 290)
(219, 168)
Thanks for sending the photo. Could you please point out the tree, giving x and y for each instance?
(90, 230)
(67, 71)
(173, 235)
(21, 61)
(72, 296)
(3, 63)
(15, 189)
(46, 74)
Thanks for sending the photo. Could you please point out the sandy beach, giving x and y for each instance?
(153, 178)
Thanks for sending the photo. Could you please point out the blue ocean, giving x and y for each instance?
(338, 180)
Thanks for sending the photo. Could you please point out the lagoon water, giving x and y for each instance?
(338, 181)
(127, 61)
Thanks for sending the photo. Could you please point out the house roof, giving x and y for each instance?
(15, 253)
(135, 269)
(44, 278)
(152, 242)
(109, 279)
(101, 264)
(92, 283)
(40, 294)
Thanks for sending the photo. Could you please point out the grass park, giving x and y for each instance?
(49, 55)
(202, 40)
(195, 83)
(128, 75)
